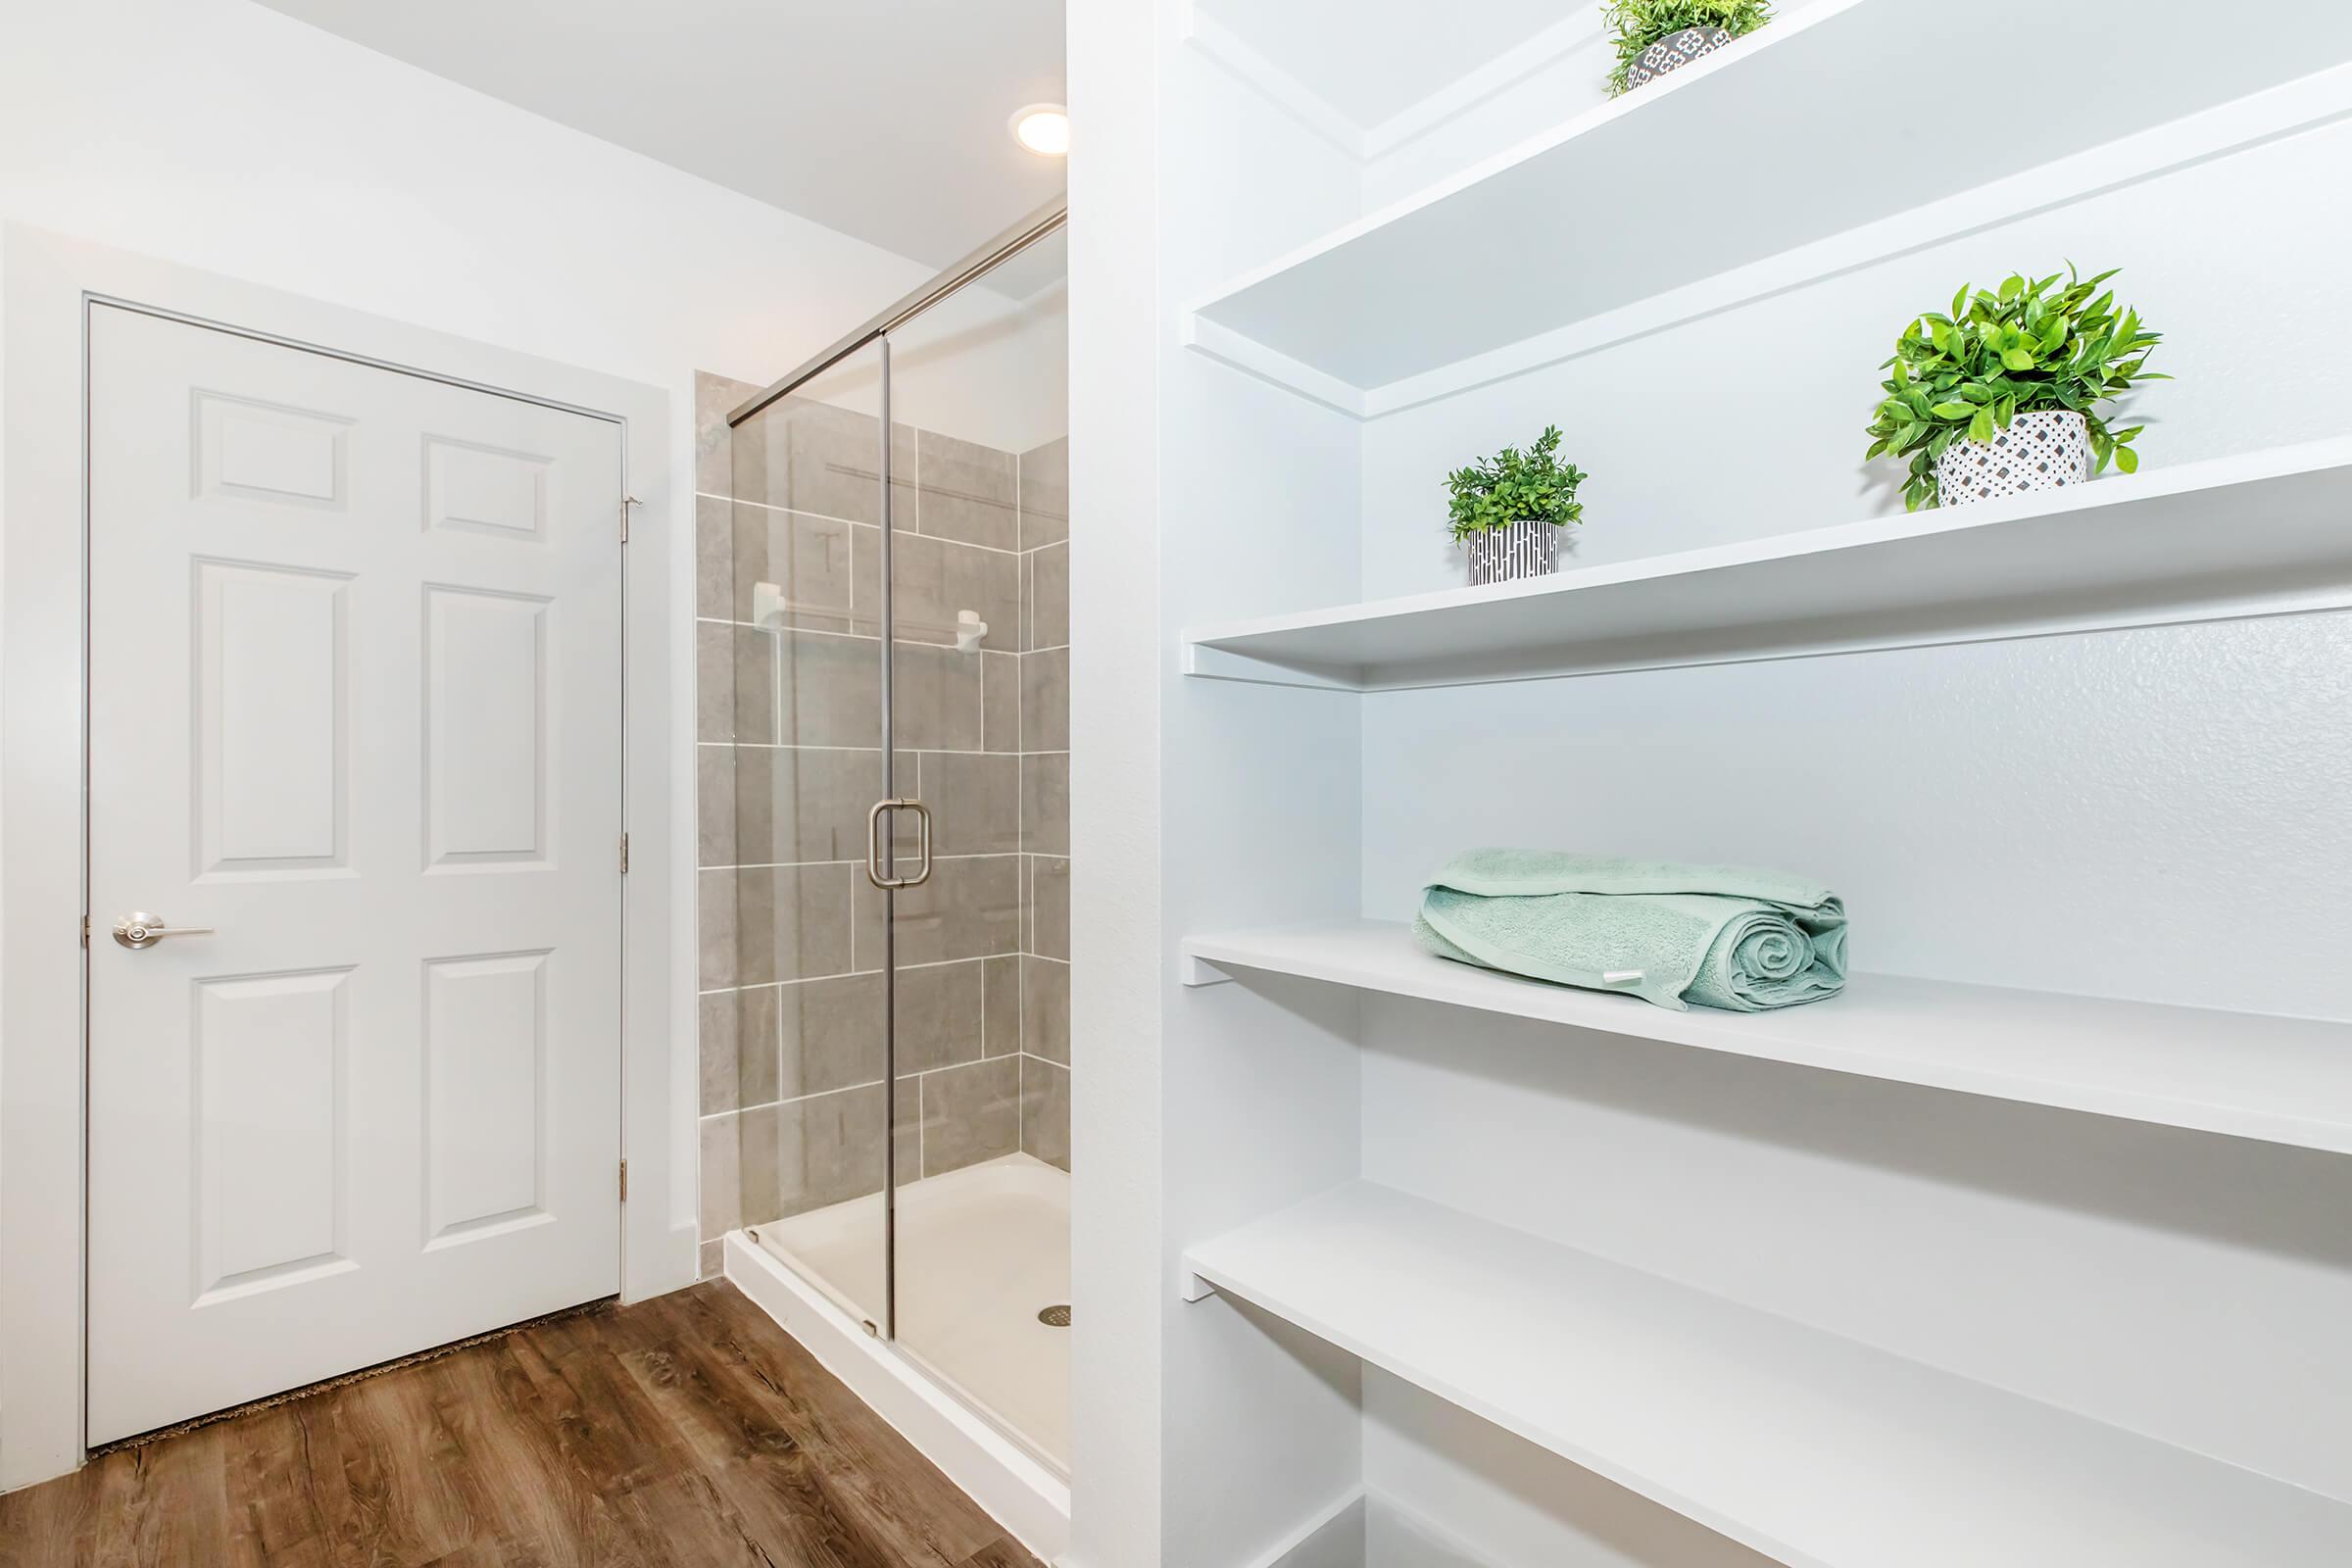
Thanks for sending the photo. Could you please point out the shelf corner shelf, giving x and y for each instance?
(1324, 320)
(2276, 1080)
(2116, 553)
(1756, 1426)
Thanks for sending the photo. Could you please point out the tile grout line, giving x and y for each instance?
(917, 491)
(863, 1083)
(924, 751)
(811, 865)
(847, 611)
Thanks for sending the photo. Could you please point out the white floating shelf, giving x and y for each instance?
(1816, 1449)
(2249, 1075)
(1795, 134)
(2263, 533)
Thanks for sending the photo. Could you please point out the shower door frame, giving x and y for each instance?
(881, 846)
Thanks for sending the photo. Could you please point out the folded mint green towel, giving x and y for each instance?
(1720, 935)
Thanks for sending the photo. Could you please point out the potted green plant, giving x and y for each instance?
(2002, 395)
(1508, 511)
(1656, 36)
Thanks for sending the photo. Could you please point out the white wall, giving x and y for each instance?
(1734, 463)
(1197, 1433)
(2153, 813)
(1526, 91)
(220, 135)
(978, 366)
(227, 136)
(1118, 936)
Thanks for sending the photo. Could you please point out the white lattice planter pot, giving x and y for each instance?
(1673, 52)
(1508, 554)
(2038, 452)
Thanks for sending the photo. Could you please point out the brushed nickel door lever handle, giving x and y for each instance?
(143, 930)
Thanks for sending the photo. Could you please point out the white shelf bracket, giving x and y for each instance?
(1195, 1287)
(1194, 970)
(1217, 663)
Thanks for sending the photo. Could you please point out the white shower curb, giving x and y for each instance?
(1030, 1501)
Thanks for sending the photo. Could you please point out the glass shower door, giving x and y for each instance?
(810, 1009)
(899, 647)
(980, 975)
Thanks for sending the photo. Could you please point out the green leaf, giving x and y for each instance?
(2030, 345)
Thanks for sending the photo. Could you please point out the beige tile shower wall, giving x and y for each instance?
(1044, 793)
(788, 761)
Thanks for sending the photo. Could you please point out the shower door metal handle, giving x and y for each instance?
(874, 843)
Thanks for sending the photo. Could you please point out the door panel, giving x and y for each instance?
(272, 720)
(353, 705)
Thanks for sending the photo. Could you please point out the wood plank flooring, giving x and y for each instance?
(686, 1431)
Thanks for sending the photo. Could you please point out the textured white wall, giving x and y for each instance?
(1749, 424)
(2154, 813)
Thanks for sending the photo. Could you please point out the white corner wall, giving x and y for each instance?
(2153, 813)
(1164, 796)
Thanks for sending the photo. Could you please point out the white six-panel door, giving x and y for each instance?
(355, 683)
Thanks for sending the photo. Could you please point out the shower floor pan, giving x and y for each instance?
(982, 1253)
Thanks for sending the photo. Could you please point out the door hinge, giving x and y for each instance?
(626, 502)
(85, 930)
(625, 1181)
(625, 866)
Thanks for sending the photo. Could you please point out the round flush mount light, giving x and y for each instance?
(1043, 128)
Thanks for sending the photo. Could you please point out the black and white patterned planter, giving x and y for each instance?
(2038, 452)
(1509, 553)
(1673, 52)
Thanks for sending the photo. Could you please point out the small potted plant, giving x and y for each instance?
(2002, 395)
(1509, 511)
(1656, 36)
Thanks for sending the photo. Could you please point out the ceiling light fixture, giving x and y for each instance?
(1043, 128)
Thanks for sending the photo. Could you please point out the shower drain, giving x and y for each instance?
(1055, 1317)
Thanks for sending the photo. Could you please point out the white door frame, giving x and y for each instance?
(46, 285)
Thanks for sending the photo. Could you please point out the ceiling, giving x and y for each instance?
(882, 118)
